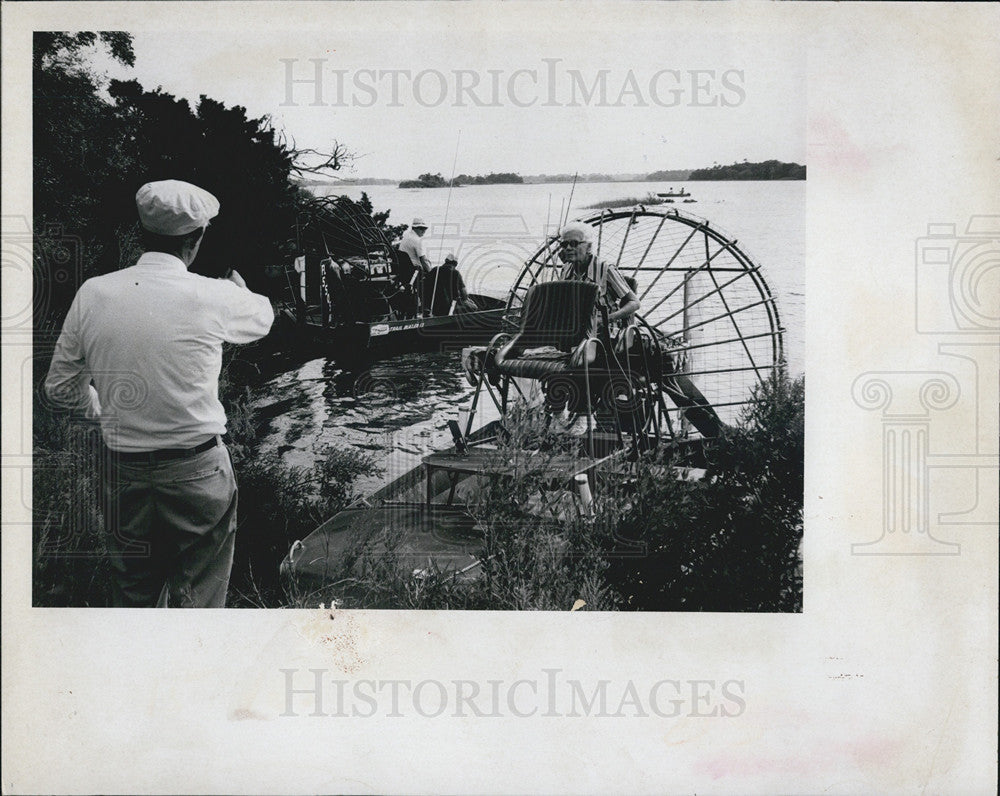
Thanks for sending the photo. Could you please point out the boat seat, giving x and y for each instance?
(555, 331)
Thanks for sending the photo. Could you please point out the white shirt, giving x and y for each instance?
(413, 245)
(150, 338)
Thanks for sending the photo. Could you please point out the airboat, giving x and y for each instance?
(350, 294)
(671, 380)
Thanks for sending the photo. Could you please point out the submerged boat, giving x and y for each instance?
(672, 379)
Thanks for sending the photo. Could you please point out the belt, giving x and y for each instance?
(164, 454)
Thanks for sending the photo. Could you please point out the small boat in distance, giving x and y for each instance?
(672, 194)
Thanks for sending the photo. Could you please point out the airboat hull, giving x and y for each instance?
(430, 534)
(351, 343)
(423, 514)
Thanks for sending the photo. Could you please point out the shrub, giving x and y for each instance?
(71, 564)
(732, 541)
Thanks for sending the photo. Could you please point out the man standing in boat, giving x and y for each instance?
(141, 349)
(412, 246)
(444, 287)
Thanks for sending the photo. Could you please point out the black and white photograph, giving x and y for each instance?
(395, 408)
(474, 337)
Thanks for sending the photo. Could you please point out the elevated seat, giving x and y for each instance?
(554, 334)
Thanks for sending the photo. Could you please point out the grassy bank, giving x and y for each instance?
(629, 201)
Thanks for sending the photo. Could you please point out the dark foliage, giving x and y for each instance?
(95, 145)
(730, 542)
(767, 170)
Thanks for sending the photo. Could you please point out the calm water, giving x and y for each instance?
(398, 410)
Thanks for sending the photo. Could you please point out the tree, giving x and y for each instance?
(78, 157)
(92, 155)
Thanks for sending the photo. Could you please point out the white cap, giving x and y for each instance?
(450, 258)
(418, 222)
(577, 230)
(174, 207)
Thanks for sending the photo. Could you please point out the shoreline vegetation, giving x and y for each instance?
(727, 543)
(648, 200)
(760, 171)
(437, 181)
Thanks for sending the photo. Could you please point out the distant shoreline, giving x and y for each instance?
(762, 171)
(528, 182)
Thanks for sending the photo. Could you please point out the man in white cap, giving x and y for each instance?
(141, 348)
(411, 245)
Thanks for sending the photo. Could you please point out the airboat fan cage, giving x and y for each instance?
(705, 298)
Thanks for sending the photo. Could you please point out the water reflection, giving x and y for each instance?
(397, 409)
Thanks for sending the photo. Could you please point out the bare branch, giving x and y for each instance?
(306, 160)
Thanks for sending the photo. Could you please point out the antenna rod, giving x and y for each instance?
(570, 202)
(444, 224)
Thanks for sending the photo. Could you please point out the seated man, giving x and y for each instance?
(445, 285)
(614, 295)
(615, 298)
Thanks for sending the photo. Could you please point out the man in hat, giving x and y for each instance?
(444, 286)
(411, 245)
(142, 349)
(615, 299)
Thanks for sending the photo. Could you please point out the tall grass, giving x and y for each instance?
(629, 201)
(70, 561)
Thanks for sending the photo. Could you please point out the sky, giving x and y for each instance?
(483, 90)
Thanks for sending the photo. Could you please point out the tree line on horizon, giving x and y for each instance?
(765, 170)
(437, 181)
